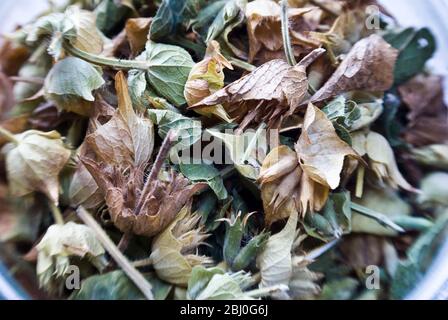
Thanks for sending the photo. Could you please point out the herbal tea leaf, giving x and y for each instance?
(169, 67)
(34, 163)
(116, 285)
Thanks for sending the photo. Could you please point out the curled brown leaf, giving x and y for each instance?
(369, 66)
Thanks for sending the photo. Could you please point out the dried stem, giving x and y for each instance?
(157, 166)
(32, 80)
(124, 241)
(289, 53)
(241, 64)
(142, 263)
(57, 215)
(8, 135)
(311, 57)
(133, 274)
(103, 61)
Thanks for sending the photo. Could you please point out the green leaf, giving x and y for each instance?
(389, 119)
(419, 258)
(207, 173)
(206, 16)
(74, 25)
(189, 130)
(250, 251)
(230, 16)
(200, 277)
(73, 77)
(214, 284)
(110, 14)
(343, 289)
(416, 48)
(170, 15)
(375, 212)
(56, 25)
(333, 221)
(116, 285)
(169, 67)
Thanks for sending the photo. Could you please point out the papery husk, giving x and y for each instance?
(169, 259)
(122, 187)
(34, 163)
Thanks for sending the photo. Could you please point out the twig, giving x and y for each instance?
(285, 34)
(379, 217)
(133, 274)
(142, 263)
(171, 137)
(32, 80)
(124, 241)
(8, 135)
(57, 215)
(241, 64)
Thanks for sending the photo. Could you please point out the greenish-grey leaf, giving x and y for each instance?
(116, 285)
(170, 15)
(189, 130)
(416, 48)
(205, 172)
(73, 76)
(169, 67)
(419, 258)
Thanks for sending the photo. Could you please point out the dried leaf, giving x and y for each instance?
(61, 242)
(320, 151)
(275, 261)
(206, 78)
(137, 33)
(368, 66)
(246, 150)
(116, 285)
(428, 113)
(173, 251)
(34, 163)
(382, 162)
(264, 25)
(272, 88)
(127, 138)
(74, 25)
(70, 84)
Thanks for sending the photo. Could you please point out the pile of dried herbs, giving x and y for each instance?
(334, 133)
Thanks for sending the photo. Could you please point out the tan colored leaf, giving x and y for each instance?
(286, 188)
(174, 250)
(428, 113)
(59, 243)
(127, 138)
(320, 150)
(275, 261)
(83, 189)
(382, 162)
(137, 30)
(266, 93)
(34, 163)
(264, 25)
(88, 37)
(369, 66)
(205, 78)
